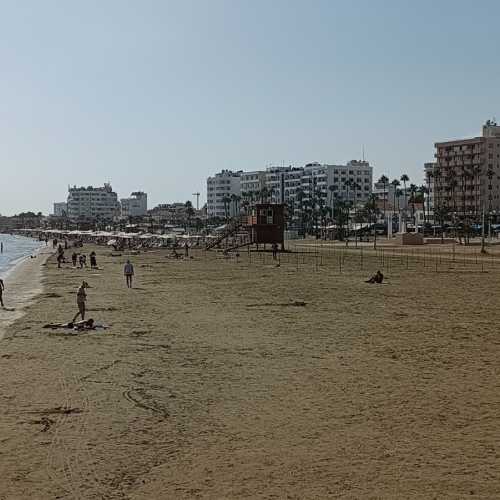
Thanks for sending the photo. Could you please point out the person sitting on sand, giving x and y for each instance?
(128, 271)
(2, 288)
(81, 297)
(378, 277)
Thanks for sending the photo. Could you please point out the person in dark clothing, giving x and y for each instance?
(275, 251)
(378, 277)
(93, 260)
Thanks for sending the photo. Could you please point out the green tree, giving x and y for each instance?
(384, 180)
(404, 180)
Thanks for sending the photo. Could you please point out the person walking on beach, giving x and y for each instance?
(74, 258)
(128, 271)
(275, 251)
(2, 288)
(1, 247)
(81, 297)
(82, 260)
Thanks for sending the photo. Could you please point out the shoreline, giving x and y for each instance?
(23, 282)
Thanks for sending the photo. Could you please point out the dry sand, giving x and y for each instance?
(224, 379)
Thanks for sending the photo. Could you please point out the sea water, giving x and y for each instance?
(15, 249)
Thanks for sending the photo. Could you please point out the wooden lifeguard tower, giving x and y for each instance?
(265, 224)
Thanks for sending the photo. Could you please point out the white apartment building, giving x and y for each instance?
(358, 172)
(252, 183)
(329, 181)
(220, 188)
(93, 202)
(283, 182)
(135, 206)
(60, 209)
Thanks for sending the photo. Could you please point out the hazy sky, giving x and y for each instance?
(156, 95)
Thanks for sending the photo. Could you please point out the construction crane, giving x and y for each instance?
(197, 200)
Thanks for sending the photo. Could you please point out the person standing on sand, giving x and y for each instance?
(2, 288)
(275, 251)
(128, 271)
(93, 260)
(81, 297)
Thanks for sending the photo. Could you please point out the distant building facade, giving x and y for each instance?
(294, 186)
(61, 209)
(222, 189)
(467, 174)
(92, 202)
(252, 184)
(135, 206)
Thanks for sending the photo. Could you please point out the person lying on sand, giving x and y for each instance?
(2, 288)
(378, 277)
(87, 324)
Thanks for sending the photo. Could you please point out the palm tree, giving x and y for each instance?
(331, 188)
(235, 201)
(355, 187)
(384, 181)
(398, 194)
(438, 175)
(226, 200)
(422, 192)
(394, 183)
(372, 213)
(299, 195)
(404, 180)
(413, 191)
(340, 216)
(348, 183)
(189, 212)
(430, 175)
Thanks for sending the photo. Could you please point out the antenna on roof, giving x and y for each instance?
(363, 152)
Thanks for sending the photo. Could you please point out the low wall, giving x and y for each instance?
(409, 239)
(438, 241)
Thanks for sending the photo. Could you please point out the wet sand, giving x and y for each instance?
(229, 379)
(22, 284)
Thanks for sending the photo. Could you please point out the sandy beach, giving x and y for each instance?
(235, 378)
